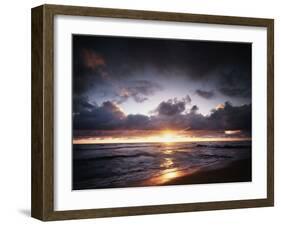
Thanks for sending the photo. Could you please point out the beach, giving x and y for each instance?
(238, 171)
(100, 166)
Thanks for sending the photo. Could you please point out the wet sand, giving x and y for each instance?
(238, 171)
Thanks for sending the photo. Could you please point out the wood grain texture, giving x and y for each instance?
(43, 107)
(270, 111)
(42, 113)
(37, 158)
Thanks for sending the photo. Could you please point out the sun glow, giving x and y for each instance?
(165, 136)
(232, 132)
(168, 137)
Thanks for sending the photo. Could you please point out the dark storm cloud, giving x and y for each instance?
(231, 117)
(234, 92)
(205, 94)
(91, 73)
(137, 121)
(172, 106)
(106, 116)
(97, 59)
(89, 70)
(170, 115)
(81, 104)
(194, 109)
(235, 82)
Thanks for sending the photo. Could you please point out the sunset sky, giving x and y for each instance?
(150, 90)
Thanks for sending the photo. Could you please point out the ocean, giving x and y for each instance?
(152, 164)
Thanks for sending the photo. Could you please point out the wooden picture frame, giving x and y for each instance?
(43, 120)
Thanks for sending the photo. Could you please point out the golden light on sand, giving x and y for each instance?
(165, 176)
(170, 174)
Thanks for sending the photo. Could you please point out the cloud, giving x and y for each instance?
(194, 109)
(231, 117)
(170, 115)
(112, 70)
(138, 90)
(171, 107)
(81, 104)
(235, 82)
(205, 94)
(220, 106)
(137, 121)
(235, 92)
(93, 76)
(89, 72)
(222, 67)
(187, 99)
(106, 116)
(92, 59)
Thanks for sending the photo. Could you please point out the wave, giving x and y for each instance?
(115, 157)
(222, 146)
(115, 148)
(206, 156)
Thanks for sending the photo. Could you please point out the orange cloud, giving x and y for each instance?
(92, 59)
(220, 106)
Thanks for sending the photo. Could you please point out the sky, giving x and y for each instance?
(137, 87)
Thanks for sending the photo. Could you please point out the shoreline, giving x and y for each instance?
(237, 171)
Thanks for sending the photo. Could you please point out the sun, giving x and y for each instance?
(167, 137)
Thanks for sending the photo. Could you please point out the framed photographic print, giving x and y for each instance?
(141, 112)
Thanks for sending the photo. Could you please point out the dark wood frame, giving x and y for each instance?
(42, 203)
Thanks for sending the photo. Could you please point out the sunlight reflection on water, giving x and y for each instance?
(168, 162)
(169, 171)
(169, 174)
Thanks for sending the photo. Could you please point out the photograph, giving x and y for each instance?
(138, 112)
(153, 112)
